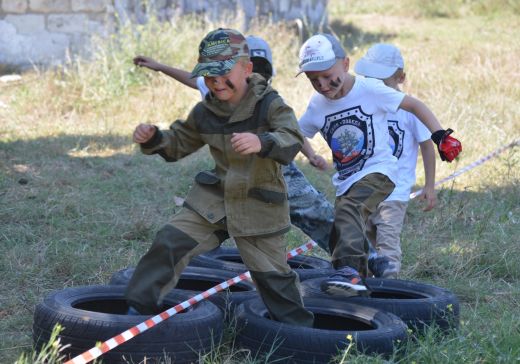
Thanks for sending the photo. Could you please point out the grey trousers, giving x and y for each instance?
(188, 235)
(348, 241)
(384, 230)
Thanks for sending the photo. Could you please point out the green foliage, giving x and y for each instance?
(50, 353)
(429, 8)
(110, 73)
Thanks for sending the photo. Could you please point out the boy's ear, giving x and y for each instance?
(346, 63)
(402, 77)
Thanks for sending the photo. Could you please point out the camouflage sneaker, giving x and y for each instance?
(346, 282)
(382, 267)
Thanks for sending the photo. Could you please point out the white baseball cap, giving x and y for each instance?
(381, 61)
(319, 53)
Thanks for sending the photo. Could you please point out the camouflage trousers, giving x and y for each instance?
(348, 241)
(188, 235)
(310, 210)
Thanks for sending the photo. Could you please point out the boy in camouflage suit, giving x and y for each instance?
(244, 196)
(309, 209)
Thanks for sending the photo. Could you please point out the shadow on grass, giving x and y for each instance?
(85, 165)
(469, 233)
(468, 236)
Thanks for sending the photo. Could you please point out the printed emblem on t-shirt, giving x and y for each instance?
(350, 135)
(396, 138)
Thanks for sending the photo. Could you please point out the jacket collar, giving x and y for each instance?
(257, 88)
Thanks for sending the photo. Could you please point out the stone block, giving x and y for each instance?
(9, 45)
(98, 27)
(24, 50)
(27, 24)
(94, 6)
(47, 48)
(160, 4)
(67, 23)
(14, 6)
(50, 6)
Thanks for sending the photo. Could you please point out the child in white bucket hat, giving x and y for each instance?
(407, 134)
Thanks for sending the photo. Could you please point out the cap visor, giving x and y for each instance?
(213, 69)
(316, 66)
(370, 69)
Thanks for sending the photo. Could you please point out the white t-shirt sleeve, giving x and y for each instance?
(388, 99)
(308, 123)
(419, 130)
(203, 89)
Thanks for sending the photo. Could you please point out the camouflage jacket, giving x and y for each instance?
(249, 191)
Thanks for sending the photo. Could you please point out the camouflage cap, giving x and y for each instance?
(219, 51)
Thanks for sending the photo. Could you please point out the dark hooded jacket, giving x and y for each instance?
(249, 191)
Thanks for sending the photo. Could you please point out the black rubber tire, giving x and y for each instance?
(200, 279)
(97, 313)
(373, 331)
(228, 258)
(419, 305)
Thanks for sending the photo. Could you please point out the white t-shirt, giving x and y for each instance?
(356, 130)
(406, 132)
(203, 89)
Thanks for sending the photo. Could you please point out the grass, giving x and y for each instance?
(78, 201)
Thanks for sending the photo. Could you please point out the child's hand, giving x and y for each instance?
(143, 133)
(430, 197)
(147, 62)
(317, 161)
(245, 143)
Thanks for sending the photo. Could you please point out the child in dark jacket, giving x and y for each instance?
(244, 196)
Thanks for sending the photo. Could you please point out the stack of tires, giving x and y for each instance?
(374, 325)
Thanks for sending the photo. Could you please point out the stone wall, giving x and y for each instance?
(43, 31)
(46, 31)
(313, 12)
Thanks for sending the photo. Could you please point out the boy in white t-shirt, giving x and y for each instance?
(309, 209)
(407, 134)
(349, 112)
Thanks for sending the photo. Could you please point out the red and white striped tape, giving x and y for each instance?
(470, 166)
(108, 345)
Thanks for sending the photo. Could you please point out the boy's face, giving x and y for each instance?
(232, 86)
(331, 82)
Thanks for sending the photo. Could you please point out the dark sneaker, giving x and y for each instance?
(346, 282)
(382, 267)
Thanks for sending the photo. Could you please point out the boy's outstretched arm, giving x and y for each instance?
(175, 73)
(315, 160)
(448, 147)
(428, 156)
(423, 113)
